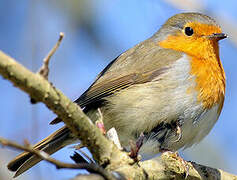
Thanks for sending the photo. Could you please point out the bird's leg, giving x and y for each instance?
(135, 147)
(175, 155)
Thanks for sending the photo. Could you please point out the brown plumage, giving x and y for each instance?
(173, 79)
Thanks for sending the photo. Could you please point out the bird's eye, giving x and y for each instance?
(188, 31)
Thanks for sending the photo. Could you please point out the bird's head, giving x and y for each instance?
(192, 33)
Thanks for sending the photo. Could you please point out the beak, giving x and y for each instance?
(218, 36)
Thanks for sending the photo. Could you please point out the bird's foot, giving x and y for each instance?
(176, 156)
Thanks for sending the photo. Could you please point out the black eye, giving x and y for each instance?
(188, 31)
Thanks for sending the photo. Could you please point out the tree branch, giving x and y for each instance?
(104, 151)
(168, 167)
(42, 91)
(92, 167)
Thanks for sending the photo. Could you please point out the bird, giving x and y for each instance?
(170, 88)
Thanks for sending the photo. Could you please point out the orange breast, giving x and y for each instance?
(210, 81)
(205, 62)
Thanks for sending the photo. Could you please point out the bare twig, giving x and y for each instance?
(59, 165)
(99, 123)
(44, 70)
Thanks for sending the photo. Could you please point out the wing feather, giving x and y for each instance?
(128, 69)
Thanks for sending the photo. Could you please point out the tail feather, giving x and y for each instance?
(50, 145)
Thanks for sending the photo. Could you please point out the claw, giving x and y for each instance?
(178, 133)
(176, 156)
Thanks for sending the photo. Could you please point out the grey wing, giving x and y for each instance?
(138, 65)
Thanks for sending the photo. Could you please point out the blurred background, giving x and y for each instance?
(96, 31)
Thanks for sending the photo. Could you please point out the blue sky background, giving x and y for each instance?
(96, 31)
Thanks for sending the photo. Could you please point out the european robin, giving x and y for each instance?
(170, 87)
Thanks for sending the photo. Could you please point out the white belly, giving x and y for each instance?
(145, 106)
